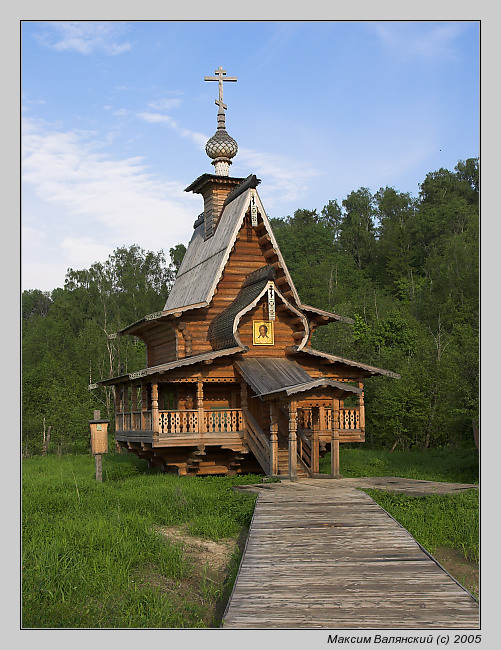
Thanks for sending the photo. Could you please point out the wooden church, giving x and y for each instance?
(231, 383)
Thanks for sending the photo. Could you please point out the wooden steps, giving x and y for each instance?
(283, 464)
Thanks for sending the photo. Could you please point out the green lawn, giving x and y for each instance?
(86, 543)
(450, 465)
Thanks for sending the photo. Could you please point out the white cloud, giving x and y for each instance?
(165, 104)
(286, 179)
(427, 40)
(156, 118)
(87, 202)
(85, 37)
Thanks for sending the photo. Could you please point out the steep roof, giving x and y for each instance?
(205, 259)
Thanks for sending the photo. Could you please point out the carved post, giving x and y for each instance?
(322, 421)
(117, 409)
(144, 403)
(200, 404)
(133, 405)
(335, 439)
(293, 440)
(154, 408)
(315, 425)
(361, 408)
(273, 439)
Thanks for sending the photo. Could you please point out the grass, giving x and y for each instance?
(441, 524)
(448, 520)
(94, 555)
(449, 465)
(87, 547)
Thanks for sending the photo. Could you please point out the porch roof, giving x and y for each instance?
(271, 377)
(369, 370)
(173, 365)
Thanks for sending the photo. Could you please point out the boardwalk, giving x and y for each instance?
(321, 554)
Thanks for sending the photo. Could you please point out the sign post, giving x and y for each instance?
(99, 442)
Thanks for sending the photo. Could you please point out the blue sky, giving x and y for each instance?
(116, 116)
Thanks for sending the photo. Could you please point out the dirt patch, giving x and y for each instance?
(207, 583)
(214, 556)
(465, 571)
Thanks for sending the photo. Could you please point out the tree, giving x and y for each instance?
(357, 233)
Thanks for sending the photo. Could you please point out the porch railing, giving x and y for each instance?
(133, 421)
(178, 422)
(349, 418)
(181, 422)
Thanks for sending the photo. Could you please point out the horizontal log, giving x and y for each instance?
(264, 239)
(270, 253)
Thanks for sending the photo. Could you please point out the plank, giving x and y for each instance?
(323, 556)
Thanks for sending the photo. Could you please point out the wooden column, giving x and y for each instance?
(361, 408)
(155, 424)
(315, 426)
(133, 404)
(200, 405)
(117, 408)
(273, 439)
(144, 402)
(293, 440)
(322, 420)
(335, 439)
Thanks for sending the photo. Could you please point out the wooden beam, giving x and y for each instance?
(335, 439)
(262, 241)
(270, 253)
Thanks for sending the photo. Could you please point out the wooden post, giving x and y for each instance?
(133, 405)
(99, 442)
(99, 467)
(322, 421)
(361, 408)
(155, 424)
(117, 409)
(293, 440)
(273, 439)
(200, 405)
(144, 403)
(335, 439)
(315, 453)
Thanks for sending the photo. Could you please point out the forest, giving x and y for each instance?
(406, 269)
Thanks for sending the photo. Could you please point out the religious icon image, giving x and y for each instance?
(263, 332)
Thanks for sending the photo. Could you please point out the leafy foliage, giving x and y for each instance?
(406, 269)
(66, 344)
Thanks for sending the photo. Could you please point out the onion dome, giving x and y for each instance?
(221, 147)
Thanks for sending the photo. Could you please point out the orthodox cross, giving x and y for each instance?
(220, 78)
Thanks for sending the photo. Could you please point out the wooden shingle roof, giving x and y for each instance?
(273, 377)
(205, 259)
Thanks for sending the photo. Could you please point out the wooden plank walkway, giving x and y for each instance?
(322, 555)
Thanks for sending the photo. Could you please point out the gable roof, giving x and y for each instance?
(205, 259)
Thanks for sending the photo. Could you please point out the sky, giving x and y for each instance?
(116, 114)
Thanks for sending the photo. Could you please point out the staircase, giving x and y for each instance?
(283, 464)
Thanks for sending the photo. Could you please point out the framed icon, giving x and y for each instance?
(262, 332)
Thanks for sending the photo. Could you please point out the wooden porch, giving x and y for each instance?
(284, 436)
